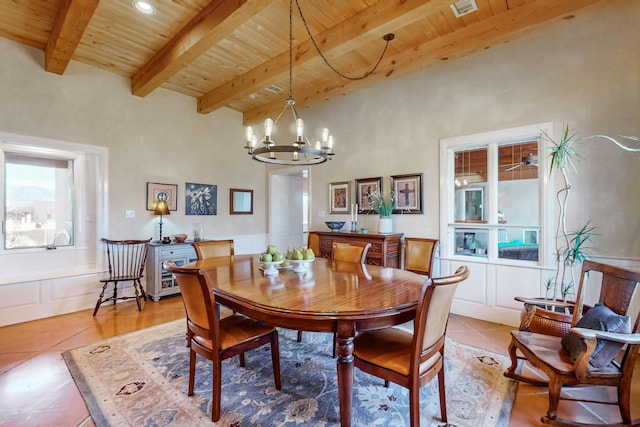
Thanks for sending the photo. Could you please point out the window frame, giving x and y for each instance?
(35, 153)
(90, 215)
(492, 140)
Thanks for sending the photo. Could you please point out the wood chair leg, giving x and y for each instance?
(99, 303)
(275, 360)
(192, 371)
(299, 336)
(335, 345)
(216, 391)
(242, 361)
(137, 296)
(142, 292)
(115, 292)
(555, 387)
(414, 406)
(443, 394)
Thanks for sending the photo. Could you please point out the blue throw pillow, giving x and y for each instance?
(599, 318)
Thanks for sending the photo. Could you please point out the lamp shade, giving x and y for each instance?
(161, 208)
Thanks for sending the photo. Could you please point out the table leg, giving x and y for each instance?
(345, 377)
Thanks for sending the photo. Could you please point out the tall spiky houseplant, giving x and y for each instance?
(572, 247)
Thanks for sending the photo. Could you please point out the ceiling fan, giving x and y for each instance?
(528, 160)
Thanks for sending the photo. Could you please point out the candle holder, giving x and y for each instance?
(354, 226)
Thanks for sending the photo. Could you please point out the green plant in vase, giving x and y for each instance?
(383, 205)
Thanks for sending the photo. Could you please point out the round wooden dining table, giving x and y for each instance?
(331, 296)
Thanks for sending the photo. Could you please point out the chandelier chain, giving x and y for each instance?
(387, 38)
(291, 49)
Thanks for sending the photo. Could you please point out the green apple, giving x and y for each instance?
(266, 257)
(278, 256)
(271, 249)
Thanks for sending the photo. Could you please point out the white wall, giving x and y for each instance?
(584, 72)
(160, 138)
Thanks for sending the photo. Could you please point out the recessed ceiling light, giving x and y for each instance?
(144, 7)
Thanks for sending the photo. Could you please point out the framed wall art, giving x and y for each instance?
(201, 199)
(339, 197)
(166, 192)
(364, 189)
(408, 193)
(240, 202)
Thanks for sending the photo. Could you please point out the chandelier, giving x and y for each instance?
(300, 151)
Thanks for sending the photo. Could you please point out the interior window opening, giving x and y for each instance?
(38, 201)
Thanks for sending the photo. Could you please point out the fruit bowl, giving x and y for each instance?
(270, 267)
(335, 225)
(300, 265)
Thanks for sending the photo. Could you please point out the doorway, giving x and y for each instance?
(288, 207)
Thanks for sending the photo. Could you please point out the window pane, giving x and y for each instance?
(518, 202)
(470, 183)
(472, 242)
(38, 201)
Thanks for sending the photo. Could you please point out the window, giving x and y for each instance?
(493, 186)
(38, 201)
(79, 174)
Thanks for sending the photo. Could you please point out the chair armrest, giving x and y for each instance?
(610, 336)
(542, 301)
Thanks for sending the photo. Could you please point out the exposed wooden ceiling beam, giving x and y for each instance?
(211, 25)
(382, 17)
(73, 18)
(472, 38)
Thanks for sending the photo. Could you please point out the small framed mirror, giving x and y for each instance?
(241, 202)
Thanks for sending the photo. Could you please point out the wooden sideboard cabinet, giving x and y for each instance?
(159, 281)
(384, 250)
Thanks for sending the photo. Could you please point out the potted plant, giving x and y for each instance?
(552, 314)
(571, 246)
(383, 205)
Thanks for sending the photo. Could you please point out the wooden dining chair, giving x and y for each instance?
(213, 248)
(218, 339)
(355, 252)
(350, 251)
(126, 260)
(313, 243)
(589, 354)
(412, 359)
(419, 254)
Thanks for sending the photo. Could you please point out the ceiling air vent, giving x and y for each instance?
(462, 7)
(274, 89)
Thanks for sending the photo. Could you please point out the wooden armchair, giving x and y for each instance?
(350, 251)
(218, 339)
(419, 255)
(413, 359)
(587, 356)
(213, 248)
(126, 259)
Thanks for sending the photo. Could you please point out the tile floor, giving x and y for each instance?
(37, 390)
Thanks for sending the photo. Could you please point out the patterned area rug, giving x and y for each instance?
(140, 379)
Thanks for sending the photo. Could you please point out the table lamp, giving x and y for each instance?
(161, 209)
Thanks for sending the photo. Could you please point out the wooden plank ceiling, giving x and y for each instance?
(226, 53)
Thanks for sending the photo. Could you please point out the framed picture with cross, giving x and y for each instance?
(408, 193)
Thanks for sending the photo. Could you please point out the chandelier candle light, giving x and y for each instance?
(301, 151)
